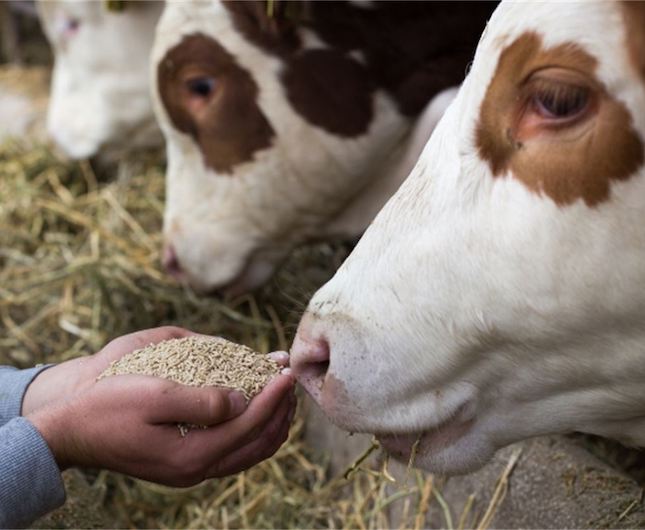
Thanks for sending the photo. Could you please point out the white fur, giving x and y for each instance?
(304, 186)
(473, 301)
(100, 85)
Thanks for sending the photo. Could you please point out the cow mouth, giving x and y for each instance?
(253, 276)
(405, 446)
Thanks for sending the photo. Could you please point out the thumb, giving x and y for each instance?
(199, 405)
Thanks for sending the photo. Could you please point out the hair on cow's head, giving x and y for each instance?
(270, 24)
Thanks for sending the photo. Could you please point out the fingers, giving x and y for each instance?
(212, 444)
(205, 453)
(264, 446)
(274, 434)
(281, 357)
(261, 409)
(175, 403)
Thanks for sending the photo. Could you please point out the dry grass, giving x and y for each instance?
(79, 266)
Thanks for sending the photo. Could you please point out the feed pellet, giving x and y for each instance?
(200, 361)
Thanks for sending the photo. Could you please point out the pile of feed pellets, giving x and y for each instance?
(200, 361)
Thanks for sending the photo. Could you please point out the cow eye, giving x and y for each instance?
(69, 27)
(201, 87)
(557, 101)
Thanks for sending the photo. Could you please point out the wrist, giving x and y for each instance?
(51, 385)
(51, 423)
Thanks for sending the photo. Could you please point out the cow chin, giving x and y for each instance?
(238, 274)
(72, 142)
(453, 446)
(255, 274)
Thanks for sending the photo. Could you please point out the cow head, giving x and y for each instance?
(100, 85)
(278, 124)
(500, 293)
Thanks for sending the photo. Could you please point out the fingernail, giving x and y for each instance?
(237, 401)
(279, 356)
(286, 371)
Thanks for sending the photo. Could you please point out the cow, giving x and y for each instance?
(500, 293)
(100, 101)
(290, 122)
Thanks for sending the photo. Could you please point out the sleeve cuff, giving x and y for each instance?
(30, 482)
(13, 384)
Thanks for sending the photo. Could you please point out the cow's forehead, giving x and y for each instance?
(595, 27)
(188, 17)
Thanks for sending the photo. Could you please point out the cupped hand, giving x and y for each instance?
(128, 423)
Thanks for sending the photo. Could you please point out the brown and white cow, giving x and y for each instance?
(294, 125)
(500, 294)
(100, 92)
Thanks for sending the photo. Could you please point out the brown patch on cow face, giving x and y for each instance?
(547, 120)
(210, 97)
(330, 90)
(634, 20)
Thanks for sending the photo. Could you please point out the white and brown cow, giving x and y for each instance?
(500, 294)
(100, 91)
(290, 121)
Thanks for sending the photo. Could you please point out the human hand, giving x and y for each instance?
(67, 378)
(128, 423)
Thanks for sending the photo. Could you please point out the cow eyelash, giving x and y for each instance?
(559, 101)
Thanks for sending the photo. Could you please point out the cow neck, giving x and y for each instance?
(362, 208)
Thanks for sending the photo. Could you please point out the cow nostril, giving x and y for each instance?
(311, 364)
(318, 370)
(171, 263)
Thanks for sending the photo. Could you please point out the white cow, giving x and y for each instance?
(293, 126)
(500, 294)
(100, 98)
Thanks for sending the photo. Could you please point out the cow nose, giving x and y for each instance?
(310, 362)
(171, 263)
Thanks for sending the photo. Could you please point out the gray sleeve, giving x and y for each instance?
(13, 383)
(30, 481)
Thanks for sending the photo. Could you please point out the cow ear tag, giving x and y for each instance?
(115, 6)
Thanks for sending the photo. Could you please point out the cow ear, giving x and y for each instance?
(269, 23)
(634, 20)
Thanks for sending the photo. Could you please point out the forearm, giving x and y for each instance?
(30, 481)
(13, 385)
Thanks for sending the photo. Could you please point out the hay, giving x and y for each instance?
(24, 94)
(79, 265)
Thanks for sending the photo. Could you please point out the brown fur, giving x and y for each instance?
(343, 107)
(577, 162)
(231, 127)
(634, 20)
